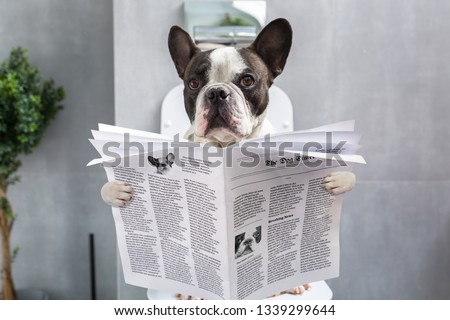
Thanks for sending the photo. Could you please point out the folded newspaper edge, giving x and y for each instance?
(109, 134)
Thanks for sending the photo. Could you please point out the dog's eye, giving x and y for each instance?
(194, 84)
(247, 81)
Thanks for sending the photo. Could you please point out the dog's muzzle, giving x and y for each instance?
(222, 113)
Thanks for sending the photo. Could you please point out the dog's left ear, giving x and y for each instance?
(170, 158)
(273, 44)
(181, 48)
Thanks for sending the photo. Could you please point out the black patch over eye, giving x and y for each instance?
(247, 81)
(194, 84)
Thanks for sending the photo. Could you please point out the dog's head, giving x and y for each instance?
(162, 164)
(244, 245)
(227, 89)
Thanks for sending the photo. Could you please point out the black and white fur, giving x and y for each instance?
(244, 244)
(226, 95)
(163, 164)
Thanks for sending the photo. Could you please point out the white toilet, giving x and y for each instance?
(280, 115)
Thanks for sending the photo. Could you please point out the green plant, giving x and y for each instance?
(27, 106)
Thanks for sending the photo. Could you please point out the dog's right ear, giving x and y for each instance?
(181, 48)
(153, 161)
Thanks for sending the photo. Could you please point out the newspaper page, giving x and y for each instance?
(220, 224)
(171, 235)
(285, 225)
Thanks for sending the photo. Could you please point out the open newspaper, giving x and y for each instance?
(241, 222)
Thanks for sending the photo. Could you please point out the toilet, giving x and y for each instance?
(280, 114)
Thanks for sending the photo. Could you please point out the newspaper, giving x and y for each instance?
(242, 222)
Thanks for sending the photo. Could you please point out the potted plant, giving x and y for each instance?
(27, 106)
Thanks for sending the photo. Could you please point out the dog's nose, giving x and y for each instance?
(217, 94)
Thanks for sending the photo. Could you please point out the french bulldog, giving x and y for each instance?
(226, 96)
(163, 164)
(244, 245)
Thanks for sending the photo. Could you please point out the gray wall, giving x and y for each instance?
(380, 62)
(57, 201)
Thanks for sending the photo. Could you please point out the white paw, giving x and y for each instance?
(339, 182)
(116, 193)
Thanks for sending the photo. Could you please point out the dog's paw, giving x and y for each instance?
(187, 297)
(339, 182)
(299, 290)
(116, 193)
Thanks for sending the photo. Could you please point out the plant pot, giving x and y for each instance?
(31, 294)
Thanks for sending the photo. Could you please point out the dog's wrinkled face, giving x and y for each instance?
(226, 89)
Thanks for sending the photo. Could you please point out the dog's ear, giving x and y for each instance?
(170, 158)
(273, 44)
(153, 161)
(181, 48)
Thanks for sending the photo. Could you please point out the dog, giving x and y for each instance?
(226, 94)
(163, 164)
(243, 245)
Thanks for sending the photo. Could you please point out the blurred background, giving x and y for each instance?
(383, 63)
